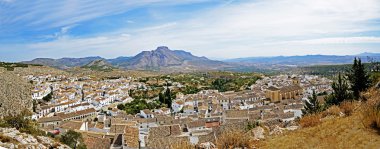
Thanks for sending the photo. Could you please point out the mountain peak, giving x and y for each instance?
(162, 49)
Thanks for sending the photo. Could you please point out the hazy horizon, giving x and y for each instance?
(217, 29)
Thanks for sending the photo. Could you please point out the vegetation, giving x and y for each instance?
(340, 92)
(22, 123)
(371, 114)
(312, 106)
(310, 120)
(136, 105)
(359, 78)
(48, 97)
(11, 66)
(73, 139)
(234, 139)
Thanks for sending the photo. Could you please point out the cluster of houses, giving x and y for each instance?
(78, 104)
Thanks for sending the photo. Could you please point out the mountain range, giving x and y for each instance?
(159, 59)
(164, 59)
(307, 60)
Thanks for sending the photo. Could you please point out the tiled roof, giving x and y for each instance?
(73, 125)
(49, 119)
(198, 123)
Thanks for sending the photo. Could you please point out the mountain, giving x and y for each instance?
(118, 60)
(164, 59)
(63, 63)
(306, 60)
(100, 64)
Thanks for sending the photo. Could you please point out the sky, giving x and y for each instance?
(218, 29)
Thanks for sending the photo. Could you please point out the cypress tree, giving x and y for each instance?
(359, 78)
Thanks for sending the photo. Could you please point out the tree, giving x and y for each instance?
(359, 78)
(48, 97)
(168, 96)
(161, 98)
(73, 139)
(120, 106)
(312, 106)
(340, 91)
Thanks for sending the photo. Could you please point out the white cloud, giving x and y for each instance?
(250, 28)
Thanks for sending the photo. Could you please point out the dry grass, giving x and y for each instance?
(353, 131)
(182, 145)
(371, 112)
(6, 139)
(310, 120)
(347, 107)
(235, 139)
(347, 132)
(332, 111)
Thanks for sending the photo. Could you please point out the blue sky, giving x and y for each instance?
(212, 28)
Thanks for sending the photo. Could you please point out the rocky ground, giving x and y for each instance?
(14, 94)
(12, 138)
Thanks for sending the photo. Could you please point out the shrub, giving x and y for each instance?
(332, 111)
(347, 107)
(73, 139)
(234, 139)
(310, 120)
(182, 145)
(371, 112)
(6, 139)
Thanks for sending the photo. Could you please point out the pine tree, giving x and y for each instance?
(359, 78)
(312, 106)
(340, 91)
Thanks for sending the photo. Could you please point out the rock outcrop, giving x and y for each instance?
(11, 138)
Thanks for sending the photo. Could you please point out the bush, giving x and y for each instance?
(347, 107)
(332, 111)
(22, 124)
(371, 112)
(310, 120)
(6, 139)
(73, 139)
(234, 139)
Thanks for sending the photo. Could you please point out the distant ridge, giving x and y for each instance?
(306, 59)
(159, 59)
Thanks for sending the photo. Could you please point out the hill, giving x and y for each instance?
(306, 60)
(100, 65)
(63, 63)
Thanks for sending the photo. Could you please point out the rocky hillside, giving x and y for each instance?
(12, 138)
(15, 94)
(164, 58)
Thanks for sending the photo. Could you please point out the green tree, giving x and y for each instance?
(359, 78)
(161, 98)
(73, 139)
(48, 97)
(340, 91)
(120, 106)
(168, 96)
(312, 106)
